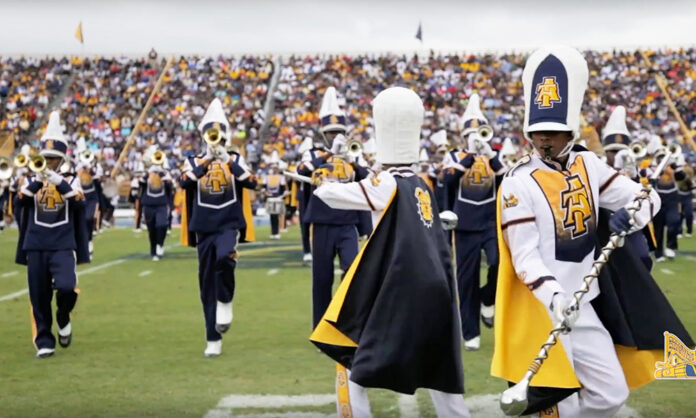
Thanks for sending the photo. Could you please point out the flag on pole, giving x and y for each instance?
(419, 33)
(78, 33)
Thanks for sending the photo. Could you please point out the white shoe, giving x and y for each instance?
(284, 230)
(487, 315)
(276, 236)
(169, 231)
(155, 258)
(669, 253)
(472, 344)
(137, 230)
(45, 352)
(660, 259)
(307, 258)
(223, 317)
(91, 247)
(159, 250)
(65, 335)
(213, 348)
(680, 236)
(688, 235)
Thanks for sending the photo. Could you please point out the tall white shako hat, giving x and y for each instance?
(423, 157)
(654, 144)
(615, 135)
(53, 141)
(370, 146)
(214, 117)
(331, 116)
(439, 138)
(306, 145)
(397, 113)
(554, 80)
(473, 118)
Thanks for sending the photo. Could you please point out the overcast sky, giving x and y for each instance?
(261, 26)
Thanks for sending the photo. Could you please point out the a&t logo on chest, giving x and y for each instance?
(49, 199)
(215, 181)
(576, 206)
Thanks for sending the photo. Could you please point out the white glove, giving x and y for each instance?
(449, 220)
(680, 161)
(485, 149)
(209, 153)
(53, 177)
(221, 154)
(620, 158)
(560, 304)
(339, 145)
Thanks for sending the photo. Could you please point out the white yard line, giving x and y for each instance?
(272, 272)
(690, 258)
(408, 406)
(79, 274)
(144, 273)
(667, 271)
(9, 273)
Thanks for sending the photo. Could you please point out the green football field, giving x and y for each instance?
(138, 341)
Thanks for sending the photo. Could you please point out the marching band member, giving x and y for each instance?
(248, 233)
(474, 176)
(90, 176)
(668, 217)
(155, 191)
(333, 231)
(274, 184)
(686, 193)
(213, 217)
(547, 206)
(394, 321)
(312, 147)
(53, 238)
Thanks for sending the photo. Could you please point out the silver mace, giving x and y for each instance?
(514, 400)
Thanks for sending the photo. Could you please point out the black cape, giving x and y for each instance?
(394, 321)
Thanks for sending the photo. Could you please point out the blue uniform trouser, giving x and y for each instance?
(47, 270)
(274, 224)
(156, 220)
(668, 217)
(217, 259)
(468, 246)
(304, 231)
(90, 214)
(687, 212)
(327, 241)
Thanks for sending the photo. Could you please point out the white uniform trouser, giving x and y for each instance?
(591, 350)
(446, 404)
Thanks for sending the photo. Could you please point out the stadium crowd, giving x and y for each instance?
(106, 95)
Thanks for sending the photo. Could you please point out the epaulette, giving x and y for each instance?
(522, 161)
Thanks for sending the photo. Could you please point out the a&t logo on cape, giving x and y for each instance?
(425, 207)
(680, 361)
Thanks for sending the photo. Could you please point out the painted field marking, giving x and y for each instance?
(408, 406)
(9, 273)
(667, 271)
(690, 258)
(479, 406)
(272, 272)
(144, 273)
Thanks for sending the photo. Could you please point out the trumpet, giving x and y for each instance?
(5, 168)
(86, 157)
(212, 136)
(638, 150)
(355, 149)
(20, 160)
(37, 164)
(485, 133)
(158, 158)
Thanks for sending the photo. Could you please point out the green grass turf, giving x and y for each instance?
(138, 341)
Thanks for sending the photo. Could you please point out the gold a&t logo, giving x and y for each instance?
(547, 93)
(215, 181)
(576, 206)
(49, 199)
(478, 173)
(680, 361)
(425, 207)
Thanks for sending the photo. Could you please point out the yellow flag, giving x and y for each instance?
(78, 33)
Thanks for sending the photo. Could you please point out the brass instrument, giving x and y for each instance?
(638, 150)
(672, 151)
(20, 160)
(37, 164)
(5, 168)
(86, 157)
(212, 136)
(485, 133)
(355, 149)
(158, 158)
